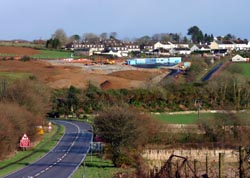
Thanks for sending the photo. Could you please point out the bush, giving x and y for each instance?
(25, 58)
(124, 129)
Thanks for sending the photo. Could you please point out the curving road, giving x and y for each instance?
(65, 158)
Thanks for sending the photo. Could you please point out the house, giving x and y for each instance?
(239, 58)
(229, 45)
(200, 48)
(84, 51)
(241, 45)
(148, 47)
(132, 47)
(180, 45)
(161, 52)
(219, 52)
(164, 45)
(69, 46)
(180, 51)
(113, 52)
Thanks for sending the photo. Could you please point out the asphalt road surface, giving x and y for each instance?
(65, 158)
(211, 72)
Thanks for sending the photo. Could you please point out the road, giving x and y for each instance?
(211, 72)
(65, 158)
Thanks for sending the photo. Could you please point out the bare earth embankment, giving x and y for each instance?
(62, 75)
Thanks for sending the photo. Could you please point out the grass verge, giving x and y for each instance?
(191, 118)
(22, 158)
(15, 75)
(50, 54)
(96, 167)
(245, 67)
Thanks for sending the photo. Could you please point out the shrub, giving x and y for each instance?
(25, 58)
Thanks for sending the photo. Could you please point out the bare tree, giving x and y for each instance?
(75, 38)
(90, 37)
(113, 35)
(61, 36)
(104, 36)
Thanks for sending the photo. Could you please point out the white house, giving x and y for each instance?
(164, 45)
(113, 52)
(222, 45)
(132, 47)
(180, 45)
(239, 58)
(180, 51)
(230, 45)
(241, 45)
(200, 48)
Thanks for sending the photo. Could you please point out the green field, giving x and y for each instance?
(191, 118)
(96, 167)
(50, 54)
(41, 149)
(15, 75)
(245, 67)
(182, 118)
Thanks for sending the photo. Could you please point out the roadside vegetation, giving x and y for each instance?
(94, 166)
(23, 106)
(23, 158)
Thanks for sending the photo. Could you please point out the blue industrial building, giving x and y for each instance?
(154, 62)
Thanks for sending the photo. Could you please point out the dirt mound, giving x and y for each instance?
(106, 85)
(18, 51)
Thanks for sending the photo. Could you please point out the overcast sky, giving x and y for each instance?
(35, 19)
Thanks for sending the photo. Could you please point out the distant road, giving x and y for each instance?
(65, 158)
(211, 72)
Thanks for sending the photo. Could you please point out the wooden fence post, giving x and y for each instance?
(241, 166)
(195, 166)
(221, 165)
(206, 164)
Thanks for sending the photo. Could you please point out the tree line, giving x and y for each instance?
(194, 35)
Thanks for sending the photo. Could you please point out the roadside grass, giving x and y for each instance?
(48, 142)
(192, 118)
(15, 75)
(97, 167)
(245, 67)
(52, 54)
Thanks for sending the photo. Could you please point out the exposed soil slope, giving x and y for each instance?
(64, 76)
